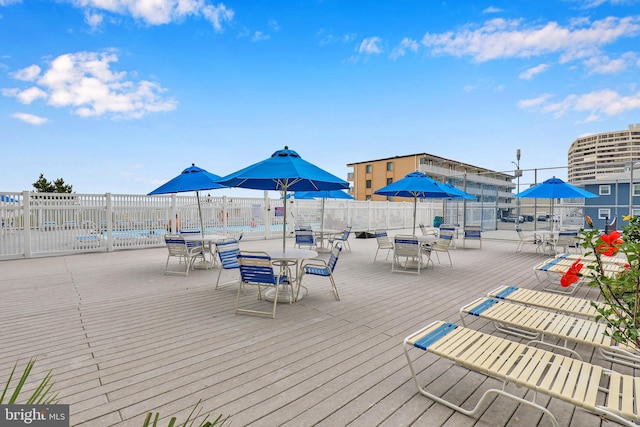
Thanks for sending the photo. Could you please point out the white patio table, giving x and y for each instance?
(209, 242)
(290, 257)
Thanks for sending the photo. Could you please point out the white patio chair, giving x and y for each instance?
(184, 251)
(384, 243)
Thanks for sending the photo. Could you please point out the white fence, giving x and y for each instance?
(45, 224)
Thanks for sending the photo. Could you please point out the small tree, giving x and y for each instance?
(42, 185)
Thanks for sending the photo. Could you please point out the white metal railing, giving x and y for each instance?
(45, 224)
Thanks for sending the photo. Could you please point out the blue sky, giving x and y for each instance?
(120, 95)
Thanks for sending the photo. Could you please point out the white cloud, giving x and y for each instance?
(27, 74)
(405, 44)
(370, 45)
(605, 65)
(85, 82)
(492, 9)
(159, 12)
(500, 38)
(94, 20)
(29, 95)
(259, 36)
(8, 2)
(534, 102)
(528, 74)
(30, 118)
(597, 103)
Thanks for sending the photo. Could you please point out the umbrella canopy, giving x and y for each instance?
(456, 193)
(284, 171)
(417, 185)
(327, 194)
(191, 179)
(555, 188)
(330, 194)
(5, 198)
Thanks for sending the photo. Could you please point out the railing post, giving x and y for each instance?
(109, 214)
(266, 206)
(26, 223)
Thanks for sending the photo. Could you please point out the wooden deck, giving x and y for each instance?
(123, 339)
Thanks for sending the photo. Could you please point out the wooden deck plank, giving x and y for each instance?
(123, 339)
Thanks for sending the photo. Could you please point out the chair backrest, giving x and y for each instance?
(345, 233)
(444, 239)
(519, 231)
(382, 238)
(335, 254)
(304, 237)
(175, 244)
(228, 250)
(608, 228)
(423, 229)
(472, 232)
(256, 267)
(569, 238)
(406, 245)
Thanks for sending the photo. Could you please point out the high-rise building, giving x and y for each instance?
(594, 156)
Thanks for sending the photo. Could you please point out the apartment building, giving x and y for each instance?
(595, 156)
(488, 186)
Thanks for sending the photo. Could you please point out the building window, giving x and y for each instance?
(389, 181)
(389, 166)
(369, 168)
(636, 189)
(368, 197)
(368, 185)
(605, 190)
(604, 213)
(635, 212)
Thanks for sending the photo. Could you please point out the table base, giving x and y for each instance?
(284, 294)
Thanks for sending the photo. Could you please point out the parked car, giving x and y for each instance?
(512, 218)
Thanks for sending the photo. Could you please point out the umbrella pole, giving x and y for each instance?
(415, 205)
(201, 223)
(284, 221)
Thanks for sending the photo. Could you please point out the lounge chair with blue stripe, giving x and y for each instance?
(554, 268)
(600, 391)
(547, 300)
(536, 325)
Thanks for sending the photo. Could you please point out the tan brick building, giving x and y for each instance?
(489, 186)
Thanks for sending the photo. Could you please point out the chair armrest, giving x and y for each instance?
(315, 262)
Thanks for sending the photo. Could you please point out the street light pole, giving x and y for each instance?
(518, 174)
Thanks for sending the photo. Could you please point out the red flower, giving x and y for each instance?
(611, 244)
(572, 275)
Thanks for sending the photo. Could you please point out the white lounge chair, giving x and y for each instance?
(595, 389)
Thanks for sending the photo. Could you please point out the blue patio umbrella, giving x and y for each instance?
(191, 179)
(5, 198)
(326, 194)
(555, 188)
(330, 194)
(284, 171)
(456, 193)
(417, 185)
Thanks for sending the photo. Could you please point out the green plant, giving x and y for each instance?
(152, 419)
(620, 290)
(40, 396)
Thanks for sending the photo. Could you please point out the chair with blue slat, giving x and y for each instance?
(342, 237)
(304, 237)
(472, 232)
(441, 245)
(256, 269)
(184, 251)
(228, 250)
(320, 267)
(384, 243)
(410, 249)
